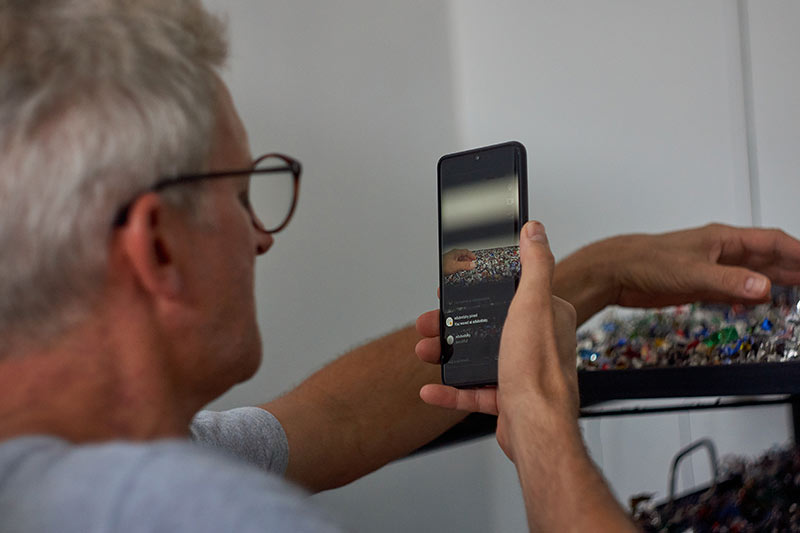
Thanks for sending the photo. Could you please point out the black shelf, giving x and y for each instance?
(684, 382)
(598, 386)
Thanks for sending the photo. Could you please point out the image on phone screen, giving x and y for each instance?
(482, 206)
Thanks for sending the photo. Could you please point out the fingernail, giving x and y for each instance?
(535, 232)
(755, 285)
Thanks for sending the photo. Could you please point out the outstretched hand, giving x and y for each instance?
(713, 263)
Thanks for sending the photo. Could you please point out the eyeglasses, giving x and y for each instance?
(271, 201)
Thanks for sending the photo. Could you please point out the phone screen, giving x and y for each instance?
(482, 207)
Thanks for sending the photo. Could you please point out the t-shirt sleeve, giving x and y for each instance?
(249, 433)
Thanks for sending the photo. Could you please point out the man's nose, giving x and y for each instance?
(264, 241)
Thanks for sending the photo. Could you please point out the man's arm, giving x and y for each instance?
(360, 412)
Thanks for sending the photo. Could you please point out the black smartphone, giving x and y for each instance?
(483, 204)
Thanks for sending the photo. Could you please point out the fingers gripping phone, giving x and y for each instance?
(483, 204)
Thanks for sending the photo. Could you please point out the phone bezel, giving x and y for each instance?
(479, 374)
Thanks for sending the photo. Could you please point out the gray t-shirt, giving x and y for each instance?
(169, 485)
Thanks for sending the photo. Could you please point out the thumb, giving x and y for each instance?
(531, 310)
(529, 330)
(537, 263)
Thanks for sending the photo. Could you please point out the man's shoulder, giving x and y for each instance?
(169, 485)
(248, 433)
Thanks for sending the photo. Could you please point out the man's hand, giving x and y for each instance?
(714, 263)
(537, 402)
(538, 342)
(457, 260)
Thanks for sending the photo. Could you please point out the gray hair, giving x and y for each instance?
(98, 99)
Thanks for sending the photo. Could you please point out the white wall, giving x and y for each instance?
(637, 117)
(631, 111)
(774, 41)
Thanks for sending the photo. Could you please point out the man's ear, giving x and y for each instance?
(149, 241)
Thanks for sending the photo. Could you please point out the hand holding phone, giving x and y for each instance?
(483, 204)
(537, 402)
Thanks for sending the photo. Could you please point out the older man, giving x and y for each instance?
(126, 303)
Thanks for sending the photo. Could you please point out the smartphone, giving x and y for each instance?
(483, 204)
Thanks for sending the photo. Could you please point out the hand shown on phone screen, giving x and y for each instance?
(457, 260)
